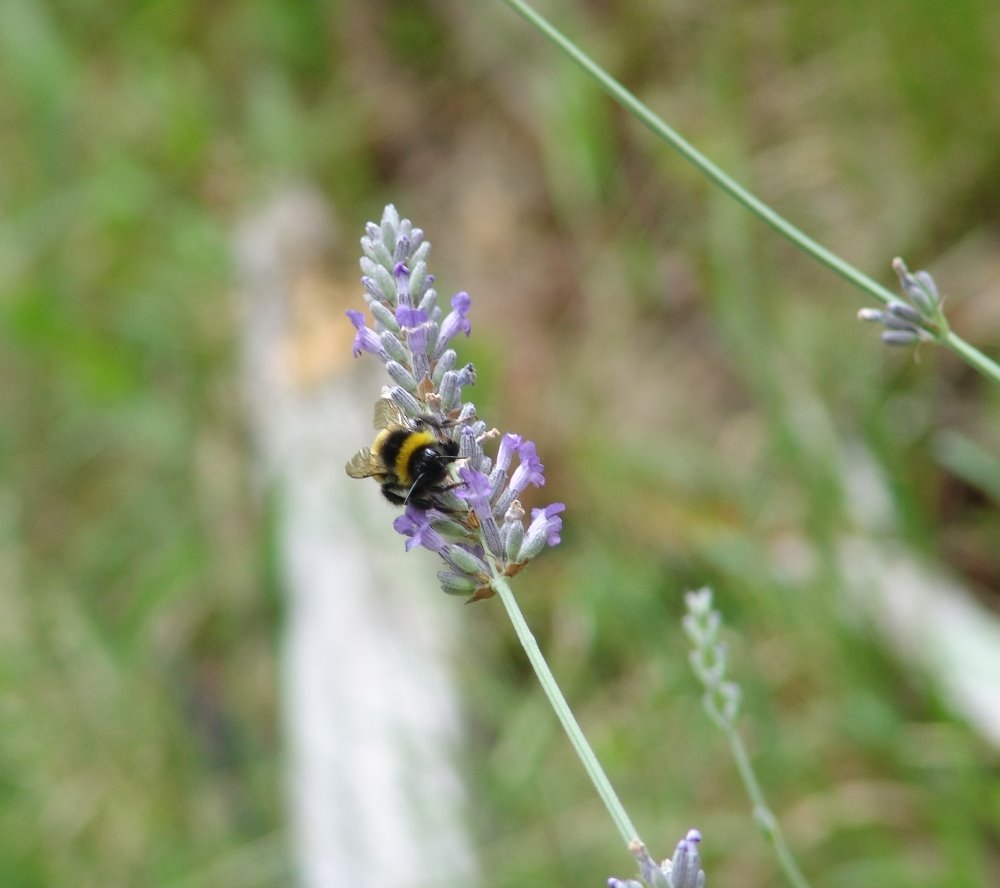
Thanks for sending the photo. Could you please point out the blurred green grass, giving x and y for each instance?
(698, 393)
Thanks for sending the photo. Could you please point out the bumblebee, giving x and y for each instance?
(410, 459)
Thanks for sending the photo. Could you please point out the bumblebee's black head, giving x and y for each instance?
(418, 463)
(428, 465)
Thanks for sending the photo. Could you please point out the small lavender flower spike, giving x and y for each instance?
(685, 866)
(682, 871)
(919, 319)
(472, 519)
(702, 625)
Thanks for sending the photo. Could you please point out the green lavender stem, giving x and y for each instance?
(703, 625)
(971, 355)
(645, 114)
(766, 820)
(564, 713)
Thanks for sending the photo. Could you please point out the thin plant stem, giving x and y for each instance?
(702, 624)
(762, 813)
(971, 355)
(565, 714)
(779, 223)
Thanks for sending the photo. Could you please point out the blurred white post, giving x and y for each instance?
(931, 619)
(371, 715)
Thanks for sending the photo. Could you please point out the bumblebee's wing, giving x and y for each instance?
(363, 464)
(388, 415)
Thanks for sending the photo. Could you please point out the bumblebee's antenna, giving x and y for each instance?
(413, 487)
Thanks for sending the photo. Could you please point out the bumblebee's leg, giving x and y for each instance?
(389, 492)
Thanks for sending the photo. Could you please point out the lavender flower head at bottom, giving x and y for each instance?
(428, 454)
(683, 870)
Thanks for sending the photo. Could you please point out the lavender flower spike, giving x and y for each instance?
(683, 871)
(685, 866)
(918, 319)
(459, 502)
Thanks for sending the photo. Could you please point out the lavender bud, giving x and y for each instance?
(454, 583)
(431, 337)
(383, 316)
(420, 253)
(402, 251)
(428, 302)
(393, 347)
(870, 314)
(894, 322)
(380, 255)
(927, 285)
(901, 337)
(512, 531)
(390, 224)
(904, 312)
(405, 401)
(418, 280)
(421, 365)
(920, 289)
(468, 447)
(465, 561)
(445, 362)
(401, 376)
(492, 538)
(498, 480)
(384, 282)
(506, 499)
(685, 866)
(373, 295)
(450, 391)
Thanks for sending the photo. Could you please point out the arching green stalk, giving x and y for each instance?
(564, 713)
(968, 353)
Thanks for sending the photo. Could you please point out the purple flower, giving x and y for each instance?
(472, 517)
(366, 339)
(457, 320)
(549, 518)
(544, 530)
(416, 339)
(530, 470)
(409, 317)
(509, 445)
(475, 490)
(415, 525)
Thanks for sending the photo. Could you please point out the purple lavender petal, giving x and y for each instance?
(365, 339)
(457, 320)
(530, 470)
(415, 524)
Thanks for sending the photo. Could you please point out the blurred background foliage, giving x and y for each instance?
(703, 398)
